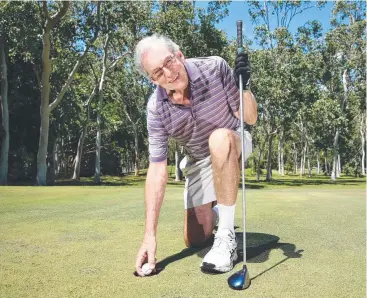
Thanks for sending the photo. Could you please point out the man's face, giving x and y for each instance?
(166, 69)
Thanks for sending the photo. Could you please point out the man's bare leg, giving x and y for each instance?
(199, 224)
(225, 151)
(225, 148)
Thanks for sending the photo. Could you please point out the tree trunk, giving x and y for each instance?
(282, 158)
(44, 110)
(57, 160)
(295, 159)
(335, 171)
(258, 170)
(318, 162)
(79, 152)
(363, 141)
(136, 139)
(326, 167)
(97, 174)
(335, 156)
(64, 164)
(53, 163)
(326, 163)
(136, 151)
(303, 161)
(281, 155)
(338, 173)
(4, 129)
(301, 164)
(279, 166)
(269, 168)
(308, 161)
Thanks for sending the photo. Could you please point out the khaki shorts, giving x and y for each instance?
(199, 187)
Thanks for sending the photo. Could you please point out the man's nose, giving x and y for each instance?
(169, 73)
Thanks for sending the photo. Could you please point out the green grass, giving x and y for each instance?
(305, 238)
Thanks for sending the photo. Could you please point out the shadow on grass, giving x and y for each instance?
(187, 252)
(258, 248)
(286, 181)
(113, 181)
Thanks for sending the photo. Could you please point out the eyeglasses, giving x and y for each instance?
(159, 72)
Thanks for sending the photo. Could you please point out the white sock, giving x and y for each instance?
(226, 217)
(215, 212)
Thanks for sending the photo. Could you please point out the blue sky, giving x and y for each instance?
(238, 10)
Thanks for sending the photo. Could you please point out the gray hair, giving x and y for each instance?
(148, 43)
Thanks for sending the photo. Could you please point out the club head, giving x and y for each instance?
(240, 280)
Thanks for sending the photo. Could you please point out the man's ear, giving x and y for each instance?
(181, 56)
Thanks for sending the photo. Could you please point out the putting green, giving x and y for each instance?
(73, 241)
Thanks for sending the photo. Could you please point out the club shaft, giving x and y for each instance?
(242, 108)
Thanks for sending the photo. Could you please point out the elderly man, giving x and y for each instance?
(196, 102)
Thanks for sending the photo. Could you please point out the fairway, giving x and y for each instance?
(75, 241)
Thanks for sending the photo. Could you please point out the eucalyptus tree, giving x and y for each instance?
(191, 27)
(4, 129)
(89, 87)
(88, 27)
(131, 91)
(16, 44)
(123, 24)
(274, 83)
(21, 30)
(344, 59)
(363, 132)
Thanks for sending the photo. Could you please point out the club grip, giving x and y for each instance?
(239, 34)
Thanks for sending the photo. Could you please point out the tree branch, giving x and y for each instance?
(57, 16)
(91, 96)
(267, 22)
(59, 97)
(296, 13)
(45, 10)
(94, 73)
(117, 59)
(128, 116)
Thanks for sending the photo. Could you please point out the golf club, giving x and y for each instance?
(241, 279)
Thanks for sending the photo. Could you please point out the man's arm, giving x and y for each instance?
(155, 187)
(250, 111)
(233, 95)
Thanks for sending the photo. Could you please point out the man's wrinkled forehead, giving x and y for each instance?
(157, 52)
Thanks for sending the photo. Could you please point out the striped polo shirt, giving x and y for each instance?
(214, 99)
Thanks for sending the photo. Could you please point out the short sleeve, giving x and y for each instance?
(230, 87)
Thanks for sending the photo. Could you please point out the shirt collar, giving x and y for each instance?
(193, 73)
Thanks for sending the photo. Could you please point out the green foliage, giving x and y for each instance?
(296, 79)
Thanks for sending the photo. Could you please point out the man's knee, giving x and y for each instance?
(222, 141)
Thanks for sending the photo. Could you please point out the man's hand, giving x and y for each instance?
(242, 67)
(146, 253)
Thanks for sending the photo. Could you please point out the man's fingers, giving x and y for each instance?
(140, 259)
(151, 259)
(242, 65)
(241, 57)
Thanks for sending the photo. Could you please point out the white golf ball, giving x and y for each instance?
(146, 269)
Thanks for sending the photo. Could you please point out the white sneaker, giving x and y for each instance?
(223, 253)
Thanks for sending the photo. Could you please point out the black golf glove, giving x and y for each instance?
(242, 67)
